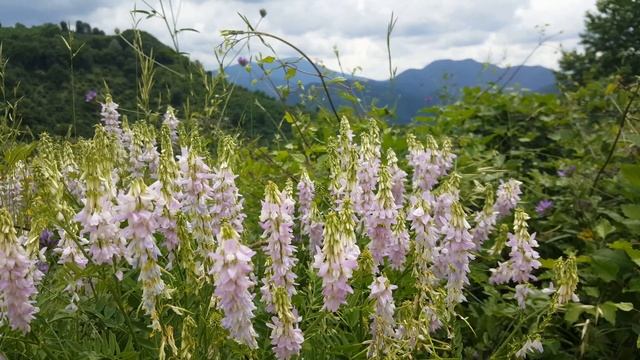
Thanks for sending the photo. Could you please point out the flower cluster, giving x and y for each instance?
(367, 171)
(383, 322)
(523, 257)
(171, 122)
(276, 219)
(508, 196)
(137, 208)
(18, 275)
(111, 118)
(233, 271)
(306, 191)
(338, 259)
(457, 244)
(381, 218)
(286, 336)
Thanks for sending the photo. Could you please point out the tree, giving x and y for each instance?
(611, 44)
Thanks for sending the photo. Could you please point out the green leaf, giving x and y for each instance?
(604, 228)
(266, 60)
(624, 306)
(574, 310)
(291, 72)
(604, 265)
(632, 211)
(631, 174)
(626, 246)
(608, 311)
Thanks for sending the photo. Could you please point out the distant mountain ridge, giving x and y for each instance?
(411, 89)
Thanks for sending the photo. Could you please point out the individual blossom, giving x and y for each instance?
(529, 347)
(522, 291)
(232, 269)
(399, 245)
(398, 177)
(171, 122)
(457, 244)
(47, 239)
(276, 220)
(381, 218)
(566, 172)
(338, 259)
(18, 276)
(137, 208)
(243, 61)
(90, 95)
(523, 256)
(544, 206)
(383, 323)
(286, 335)
(508, 196)
(306, 191)
(69, 250)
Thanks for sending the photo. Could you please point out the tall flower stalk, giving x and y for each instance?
(523, 258)
(233, 272)
(18, 276)
(338, 259)
(381, 219)
(137, 208)
(276, 219)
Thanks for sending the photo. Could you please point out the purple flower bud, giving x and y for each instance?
(47, 240)
(90, 95)
(568, 171)
(243, 61)
(544, 206)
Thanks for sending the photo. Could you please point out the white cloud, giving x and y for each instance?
(500, 31)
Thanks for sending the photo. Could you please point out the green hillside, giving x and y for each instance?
(39, 68)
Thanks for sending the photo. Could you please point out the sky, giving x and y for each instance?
(502, 32)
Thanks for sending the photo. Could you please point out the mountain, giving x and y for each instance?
(439, 82)
(268, 76)
(38, 67)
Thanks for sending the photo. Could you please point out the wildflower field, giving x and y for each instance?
(502, 225)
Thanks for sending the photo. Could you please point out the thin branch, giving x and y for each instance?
(260, 34)
(623, 120)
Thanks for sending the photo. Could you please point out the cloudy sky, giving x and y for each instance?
(503, 32)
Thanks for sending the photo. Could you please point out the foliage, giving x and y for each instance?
(39, 67)
(575, 152)
(611, 44)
